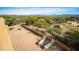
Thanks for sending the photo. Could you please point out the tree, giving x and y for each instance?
(41, 24)
(28, 22)
(8, 20)
(74, 39)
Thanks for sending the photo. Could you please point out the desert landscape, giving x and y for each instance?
(18, 39)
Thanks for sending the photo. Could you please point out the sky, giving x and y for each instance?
(39, 11)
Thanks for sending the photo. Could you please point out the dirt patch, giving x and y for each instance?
(24, 40)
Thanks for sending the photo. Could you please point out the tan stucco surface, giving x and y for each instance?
(5, 42)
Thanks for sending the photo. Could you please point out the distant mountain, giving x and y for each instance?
(45, 15)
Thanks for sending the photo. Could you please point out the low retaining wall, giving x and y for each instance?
(58, 43)
(32, 30)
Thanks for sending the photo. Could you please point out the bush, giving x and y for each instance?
(41, 24)
(28, 22)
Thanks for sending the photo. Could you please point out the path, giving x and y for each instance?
(24, 39)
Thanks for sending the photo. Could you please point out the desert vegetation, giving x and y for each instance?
(64, 28)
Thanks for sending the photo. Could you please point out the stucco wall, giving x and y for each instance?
(5, 42)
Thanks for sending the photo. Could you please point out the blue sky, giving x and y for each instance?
(39, 11)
